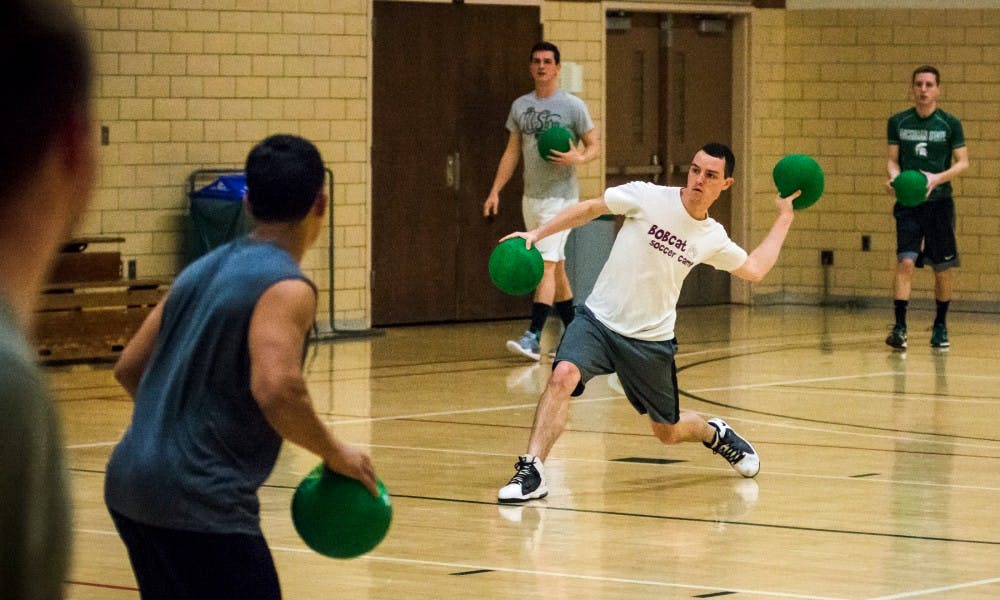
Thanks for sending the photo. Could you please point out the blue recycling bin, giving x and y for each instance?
(216, 215)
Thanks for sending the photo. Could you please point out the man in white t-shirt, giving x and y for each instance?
(627, 323)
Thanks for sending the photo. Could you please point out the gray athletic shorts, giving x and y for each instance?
(646, 369)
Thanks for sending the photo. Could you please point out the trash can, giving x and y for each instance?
(216, 214)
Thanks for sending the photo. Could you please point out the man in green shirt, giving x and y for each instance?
(927, 139)
(47, 173)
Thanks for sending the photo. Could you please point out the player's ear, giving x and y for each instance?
(320, 204)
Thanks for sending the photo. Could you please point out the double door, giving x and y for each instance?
(670, 92)
(444, 78)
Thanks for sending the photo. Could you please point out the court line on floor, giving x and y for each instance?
(946, 588)
(696, 468)
(712, 521)
(595, 578)
(701, 468)
(533, 572)
(334, 421)
(911, 396)
(484, 409)
(951, 443)
(532, 405)
(606, 579)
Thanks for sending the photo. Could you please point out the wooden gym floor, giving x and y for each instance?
(880, 471)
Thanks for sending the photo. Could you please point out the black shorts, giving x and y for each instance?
(926, 233)
(646, 369)
(171, 564)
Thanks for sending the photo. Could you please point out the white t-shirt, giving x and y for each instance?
(658, 245)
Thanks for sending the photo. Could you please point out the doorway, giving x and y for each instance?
(444, 76)
(669, 81)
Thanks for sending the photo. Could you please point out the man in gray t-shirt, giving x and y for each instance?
(549, 184)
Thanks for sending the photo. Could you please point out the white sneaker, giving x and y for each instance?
(528, 483)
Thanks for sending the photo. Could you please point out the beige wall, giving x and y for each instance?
(824, 83)
(191, 84)
(578, 30)
(188, 84)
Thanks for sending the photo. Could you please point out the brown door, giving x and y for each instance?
(634, 135)
(669, 93)
(698, 66)
(444, 78)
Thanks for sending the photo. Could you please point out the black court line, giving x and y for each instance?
(648, 461)
(860, 475)
(806, 419)
(714, 595)
(952, 436)
(616, 513)
(106, 586)
(750, 410)
(647, 435)
(473, 572)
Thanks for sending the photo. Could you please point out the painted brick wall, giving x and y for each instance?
(825, 81)
(191, 84)
(577, 28)
(186, 84)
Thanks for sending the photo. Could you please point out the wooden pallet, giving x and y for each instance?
(92, 320)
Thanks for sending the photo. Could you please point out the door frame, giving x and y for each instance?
(742, 194)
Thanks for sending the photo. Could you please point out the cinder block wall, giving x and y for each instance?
(824, 83)
(187, 84)
(577, 28)
(191, 84)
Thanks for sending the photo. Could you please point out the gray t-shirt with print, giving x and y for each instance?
(529, 116)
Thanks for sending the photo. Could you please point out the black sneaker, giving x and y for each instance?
(733, 448)
(897, 339)
(527, 484)
(939, 336)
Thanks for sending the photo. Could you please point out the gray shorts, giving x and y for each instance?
(646, 369)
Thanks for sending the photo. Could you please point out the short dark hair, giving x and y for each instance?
(284, 175)
(721, 151)
(47, 78)
(545, 46)
(926, 69)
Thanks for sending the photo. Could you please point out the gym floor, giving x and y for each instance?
(880, 470)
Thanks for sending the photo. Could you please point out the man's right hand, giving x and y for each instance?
(491, 206)
(354, 463)
(530, 237)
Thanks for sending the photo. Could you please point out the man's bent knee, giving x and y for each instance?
(565, 377)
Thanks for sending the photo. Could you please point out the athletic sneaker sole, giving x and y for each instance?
(515, 348)
(530, 496)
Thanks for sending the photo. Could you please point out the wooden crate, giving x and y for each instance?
(86, 266)
(90, 320)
